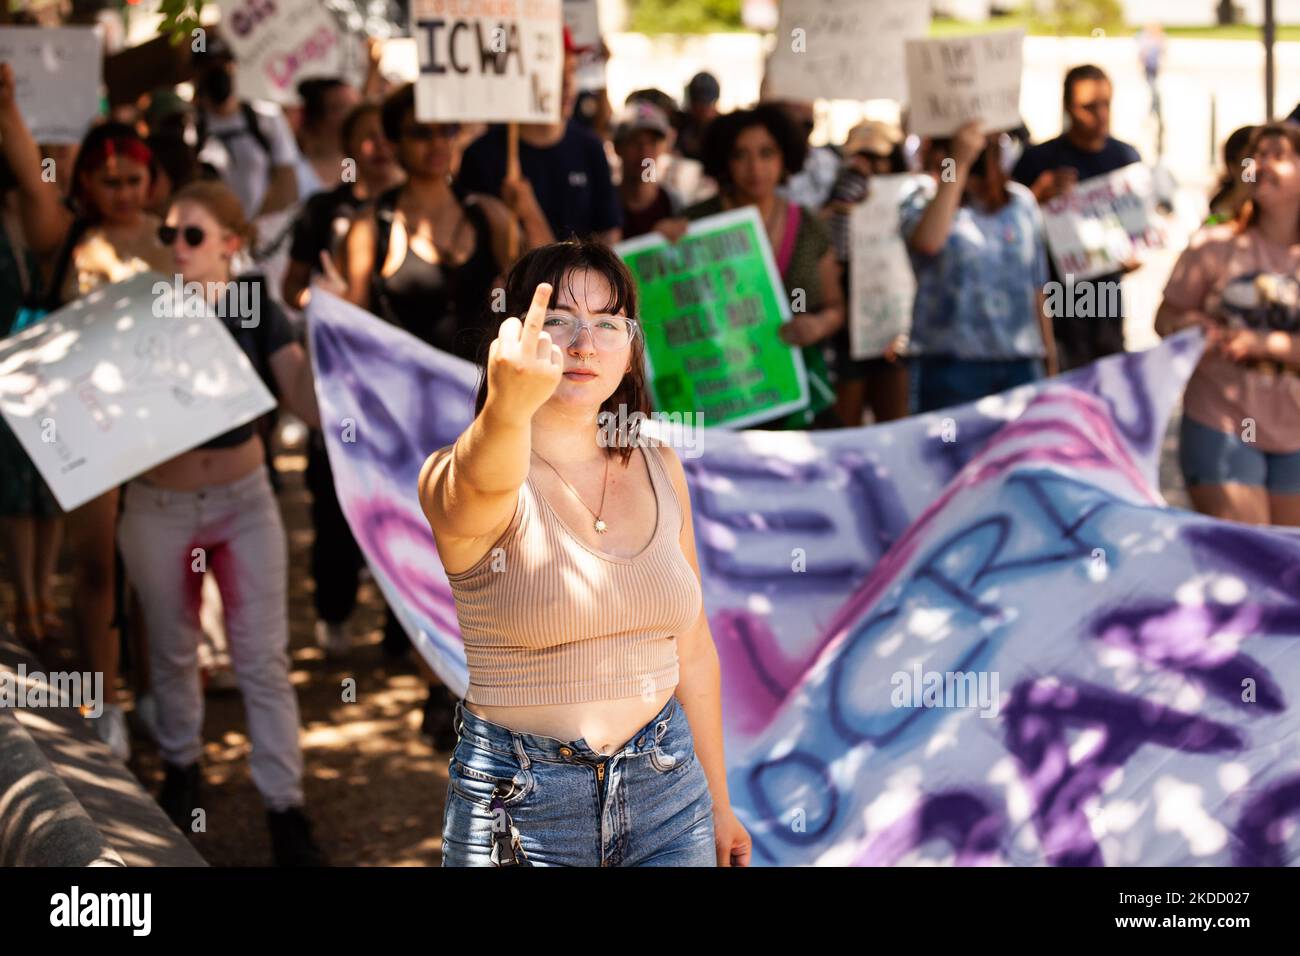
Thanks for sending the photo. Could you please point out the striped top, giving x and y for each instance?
(547, 619)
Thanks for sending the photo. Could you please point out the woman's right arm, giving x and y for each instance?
(469, 490)
(359, 260)
(931, 233)
(45, 219)
(1187, 293)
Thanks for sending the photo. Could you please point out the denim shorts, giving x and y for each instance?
(938, 381)
(1211, 457)
(649, 805)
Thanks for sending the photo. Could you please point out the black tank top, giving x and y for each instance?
(443, 306)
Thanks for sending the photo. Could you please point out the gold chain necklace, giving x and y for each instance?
(600, 525)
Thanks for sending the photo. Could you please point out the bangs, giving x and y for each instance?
(559, 264)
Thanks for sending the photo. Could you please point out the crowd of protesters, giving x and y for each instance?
(417, 223)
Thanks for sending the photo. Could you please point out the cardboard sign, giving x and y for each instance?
(277, 43)
(882, 286)
(489, 61)
(56, 78)
(106, 388)
(582, 17)
(1103, 222)
(844, 49)
(711, 308)
(956, 79)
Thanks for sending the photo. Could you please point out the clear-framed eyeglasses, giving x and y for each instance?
(609, 333)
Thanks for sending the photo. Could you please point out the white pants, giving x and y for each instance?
(169, 539)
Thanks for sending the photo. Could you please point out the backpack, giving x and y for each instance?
(251, 126)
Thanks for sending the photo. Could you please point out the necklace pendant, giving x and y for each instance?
(600, 526)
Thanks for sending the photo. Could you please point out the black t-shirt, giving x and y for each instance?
(323, 223)
(259, 341)
(571, 179)
(1059, 152)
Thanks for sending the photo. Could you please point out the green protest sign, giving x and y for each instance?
(711, 307)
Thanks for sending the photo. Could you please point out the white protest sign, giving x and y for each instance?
(882, 286)
(1103, 222)
(955, 79)
(277, 43)
(56, 78)
(115, 383)
(489, 61)
(844, 49)
(582, 17)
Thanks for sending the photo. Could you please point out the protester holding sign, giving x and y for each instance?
(250, 146)
(214, 506)
(750, 153)
(564, 170)
(871, 149)
(424, 257)
(1239, 447)
(1085, 150)
(578, 594)
(980, 259)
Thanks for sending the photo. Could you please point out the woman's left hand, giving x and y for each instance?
(730, 838)
(803, 329)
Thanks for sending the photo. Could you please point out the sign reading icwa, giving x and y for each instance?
(844, 49)
(712, 305)
(1103, 222)
(956, 79)
(277, 43)
(882, 286)
(491, 61)
(56, 77)
(113, 384)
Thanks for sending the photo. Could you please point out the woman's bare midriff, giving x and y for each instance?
(205, 467)
(606, 725)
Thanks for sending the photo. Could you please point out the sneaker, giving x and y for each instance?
(332, 637)
(180, 793)
(110, 727)
(291, 840)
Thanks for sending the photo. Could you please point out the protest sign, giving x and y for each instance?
(1103, 222)
(56, 78)
(278, 44)
(844, 49)
(582, 17)
(490, 61)
(116, 383)
(955, 79)
(881, 284)
(969, 609)
(712, 305)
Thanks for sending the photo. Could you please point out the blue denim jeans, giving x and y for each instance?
(645, 805)
(939, 381)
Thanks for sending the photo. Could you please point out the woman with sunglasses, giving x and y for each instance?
(425, 258)
(213, 507)
(591, 732)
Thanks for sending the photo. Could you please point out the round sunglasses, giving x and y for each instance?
(193, 235)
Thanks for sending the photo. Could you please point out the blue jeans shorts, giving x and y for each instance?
(564, 804)
(1211, 457)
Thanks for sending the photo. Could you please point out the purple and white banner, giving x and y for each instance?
(974, 637)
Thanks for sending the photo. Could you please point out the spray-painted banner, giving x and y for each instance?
(1119, 669)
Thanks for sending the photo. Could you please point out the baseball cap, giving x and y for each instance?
(873, 137)
(639, 115)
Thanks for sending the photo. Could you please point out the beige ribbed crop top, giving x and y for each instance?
(549, 620)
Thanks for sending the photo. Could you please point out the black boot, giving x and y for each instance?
(180, 794)
(291, 840)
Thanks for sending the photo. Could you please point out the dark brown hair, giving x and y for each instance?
(1249, 212)
(556, 264)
